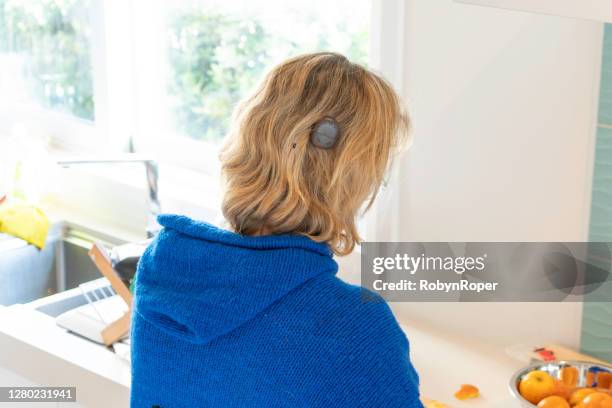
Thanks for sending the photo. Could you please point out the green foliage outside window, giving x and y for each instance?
(50, 41)
(215, 59)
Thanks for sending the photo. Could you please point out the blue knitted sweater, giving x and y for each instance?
(224, 320)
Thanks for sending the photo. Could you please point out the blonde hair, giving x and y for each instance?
(277, 182)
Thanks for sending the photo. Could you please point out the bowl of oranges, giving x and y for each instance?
(563, 384)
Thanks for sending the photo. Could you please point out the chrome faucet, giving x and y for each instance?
(152, 172)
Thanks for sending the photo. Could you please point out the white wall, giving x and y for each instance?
(504, 107)
(599, 10)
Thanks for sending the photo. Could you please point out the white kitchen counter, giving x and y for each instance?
(445, 361)
(35, 348)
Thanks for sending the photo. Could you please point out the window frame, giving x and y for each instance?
(387, 56)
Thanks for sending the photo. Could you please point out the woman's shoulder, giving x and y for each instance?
(369, 347)
(357, 312)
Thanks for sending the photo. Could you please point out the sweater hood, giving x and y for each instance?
(199, 282)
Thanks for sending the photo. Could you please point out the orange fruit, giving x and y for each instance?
(590, 379)
(604, 380)
(562, 390)
(578, 395)
(554, 401)
(536, 386)
(596, 400)
(467, 391)
(569, 376)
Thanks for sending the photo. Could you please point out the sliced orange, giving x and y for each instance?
(590, 379)
(427, 403)
(569, 376)
(562, 390)
(604, 380)
(467, 391)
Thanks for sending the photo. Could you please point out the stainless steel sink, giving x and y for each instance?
(27, 274)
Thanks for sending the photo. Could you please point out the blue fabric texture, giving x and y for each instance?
(225, 320)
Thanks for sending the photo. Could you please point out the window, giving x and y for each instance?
(218, 50)
(45, 55)
(160, 76)
(202, 56)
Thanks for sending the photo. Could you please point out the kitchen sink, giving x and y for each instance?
(27, 274)
(71, 299)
